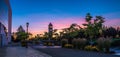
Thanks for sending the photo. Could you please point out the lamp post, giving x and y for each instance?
(27, 25)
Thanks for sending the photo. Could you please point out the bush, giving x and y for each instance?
(74, 42)
(68, 46)
(87, 48)
(45, 44)
(24, 43)
(91, 48)
(50, 44)
(63, 42)
(107, 44)
(104, 44)
(81, 43)
(115, 42)
(37, 43)
(100, 43)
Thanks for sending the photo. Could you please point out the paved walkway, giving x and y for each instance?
(43, 52)
(63, 52)
(23, 52)
(2, 52)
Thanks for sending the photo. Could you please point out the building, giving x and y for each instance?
(5, 22)
(9, 19)
(3, 35)
(50, 30)
(20, 29)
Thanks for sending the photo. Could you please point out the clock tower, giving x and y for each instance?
(50, 30)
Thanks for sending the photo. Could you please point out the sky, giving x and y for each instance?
(61, 13)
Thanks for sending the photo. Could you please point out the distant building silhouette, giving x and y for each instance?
(50, 30)
(20, 29)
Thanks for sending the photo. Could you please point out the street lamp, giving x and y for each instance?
(27, 25)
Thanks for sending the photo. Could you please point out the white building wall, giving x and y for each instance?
(3, 36)
(6, 20)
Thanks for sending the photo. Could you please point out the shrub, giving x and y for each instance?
(63, 42)
(115, 42)
(107, 44)
(91, 48)
(23, 43)
(100, 43)
(104, 44)
(74, 42)
(45, 44)
(37, 43)
(50, 44)
(68, 46)
(88, 48)
(81, 43)
(94, 48)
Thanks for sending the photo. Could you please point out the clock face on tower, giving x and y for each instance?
(50, 27)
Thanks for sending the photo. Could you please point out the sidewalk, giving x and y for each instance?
(64, 52)
(24, 52)
(2, 52)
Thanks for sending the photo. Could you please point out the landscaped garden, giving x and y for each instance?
(93, 36)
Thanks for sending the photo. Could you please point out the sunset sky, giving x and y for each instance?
(62, 13)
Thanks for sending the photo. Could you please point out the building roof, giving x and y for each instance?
(50, 24)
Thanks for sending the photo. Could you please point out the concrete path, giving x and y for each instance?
(63, 52)
(24, 52)
(2, 52)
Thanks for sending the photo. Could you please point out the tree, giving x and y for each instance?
(45, 35)
(72, 31)
(94, 27)
(89, 30)
(81, 33)
(88, 18)
(21, 34)
(55, 34)
(111, 32)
